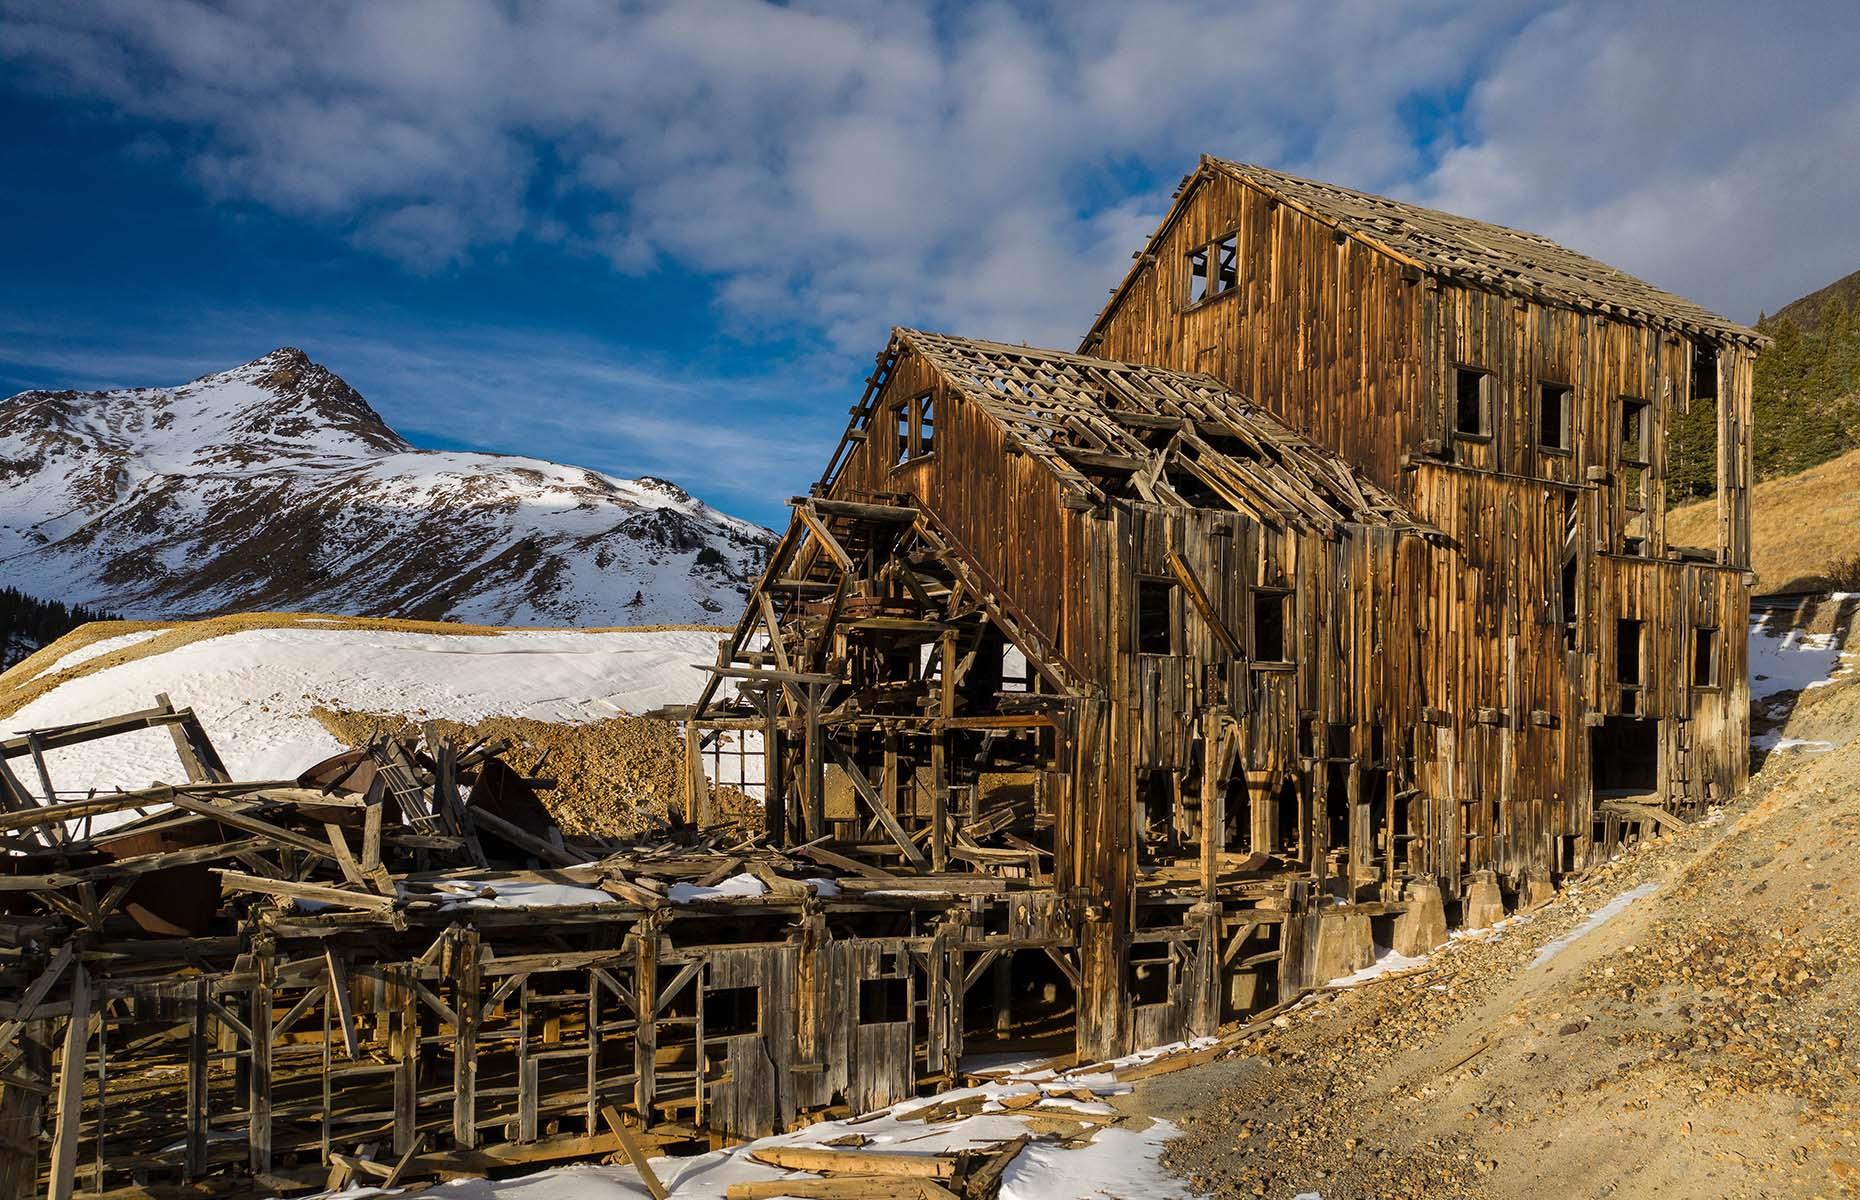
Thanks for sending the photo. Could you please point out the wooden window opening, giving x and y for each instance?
(1634, 431)
(1213, 269)
(1553, 405)
(1156, 616)
(1270, 645)
(1705, 658)
(1472, 402)
(732, 1012)
(1627, 662)
(914, 429)
(1704, 371)
(883, 1001)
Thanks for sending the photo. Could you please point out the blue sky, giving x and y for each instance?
(669, 239)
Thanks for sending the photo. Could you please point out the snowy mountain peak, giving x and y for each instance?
(276, 485)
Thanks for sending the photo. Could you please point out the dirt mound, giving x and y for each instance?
(615, 778)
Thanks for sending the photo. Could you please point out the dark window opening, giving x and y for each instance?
(1705, 658)
(1470, 408)
(1624, 756)
(1378, 744)
(1627, 652)
(1307, 737)
(1269, 627)
(1157, 792)
(1337, 805)
(883, 1001)
(731, 1012)
(1155, 616)
(1237, 838)
(1149, 973)
(1372, 790)
(1704, 371)
(1337, 741)
(1634, 431)
(1553, 416)
(1287, 819)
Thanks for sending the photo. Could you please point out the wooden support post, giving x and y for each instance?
(774, 799)
(697, 786)
(815, 771)
(258, 1076)
(465, 982)
(646, 1033)
(70, 1094)
(406, 1049)
(1206, 1012)
(194, 1164)
(939, 756)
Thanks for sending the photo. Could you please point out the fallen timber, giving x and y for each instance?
(395, 967)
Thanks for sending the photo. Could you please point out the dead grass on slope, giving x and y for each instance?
(615, 778)
(18, 687)
(1802, 524)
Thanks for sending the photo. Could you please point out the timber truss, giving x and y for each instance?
(909, 709)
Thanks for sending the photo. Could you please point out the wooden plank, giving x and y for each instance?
(635, 1154)
(855, 1162)
(69, 1101)
(315, 892)
(863, 787)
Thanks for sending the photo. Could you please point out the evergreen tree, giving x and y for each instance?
(27, 623)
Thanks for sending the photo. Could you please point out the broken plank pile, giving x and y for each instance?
(395, 967)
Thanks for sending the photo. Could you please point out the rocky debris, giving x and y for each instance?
(615, 778)
(1701, 1042)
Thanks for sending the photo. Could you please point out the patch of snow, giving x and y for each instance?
(1786, 660)
(518, 893)
(1596, 920)
(254, 690)
(1776, 741)
(1117, 1163)
(98, 649)
(1386, 960)
(735, 885)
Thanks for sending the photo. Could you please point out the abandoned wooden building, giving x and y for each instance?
(1103, 698)
(1329, 580)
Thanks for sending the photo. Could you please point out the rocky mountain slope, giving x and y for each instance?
(275, 486)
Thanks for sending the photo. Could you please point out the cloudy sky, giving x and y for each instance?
(669, 238)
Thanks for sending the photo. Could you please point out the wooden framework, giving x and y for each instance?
(1408, 625)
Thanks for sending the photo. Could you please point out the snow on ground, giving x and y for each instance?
(1783, 659)
(98, 649)
(1117, 1164)
(1595, 921)
(254, 690)
(1386, 961)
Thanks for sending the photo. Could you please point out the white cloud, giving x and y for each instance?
(843, 167)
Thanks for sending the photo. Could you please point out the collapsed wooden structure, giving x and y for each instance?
(1328, 583)
(394, 967)
(1104, 698)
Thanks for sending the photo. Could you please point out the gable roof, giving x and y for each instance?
(1105, 428)
(1463, 250)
